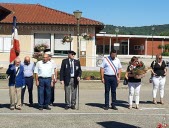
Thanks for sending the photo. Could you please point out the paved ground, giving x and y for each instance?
(91, 114)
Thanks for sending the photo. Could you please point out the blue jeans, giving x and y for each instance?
(44, 92)
(110, 83)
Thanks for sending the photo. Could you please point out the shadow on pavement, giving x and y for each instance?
(146, 102)
(98, 105)
(61, 105)
(4, 105)
(36, 106)
(113, 124)
(121, 103)
(117, 103)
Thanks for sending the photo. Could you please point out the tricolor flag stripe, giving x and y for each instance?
(15, 47)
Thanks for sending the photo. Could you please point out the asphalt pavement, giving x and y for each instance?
(91, 113)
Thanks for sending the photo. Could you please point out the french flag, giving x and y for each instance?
(15, 47)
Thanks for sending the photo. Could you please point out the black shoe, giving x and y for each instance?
(73, 107)
(114, 107)
(51, 104)
(31, 105)
(12, 108)
(47, 108)
(67, 107)
(40, 108)
(106, 108)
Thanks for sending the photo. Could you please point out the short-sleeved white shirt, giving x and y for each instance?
(108, 69)
(44, 69)
(54, 64)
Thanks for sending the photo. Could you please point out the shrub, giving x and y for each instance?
(93, 75)
(165, 54)
(3, 76)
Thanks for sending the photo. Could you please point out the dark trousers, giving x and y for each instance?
(29, 84)
(52, 99)
(110, 83)
(44, 92)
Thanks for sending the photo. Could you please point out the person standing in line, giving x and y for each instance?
(16, 82)
(28, 74)
(55, 79)
(159, 72)
(44, 75)
(70, 74)
(133, 84)
(110, 71)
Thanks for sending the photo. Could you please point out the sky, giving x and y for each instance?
(128, 13)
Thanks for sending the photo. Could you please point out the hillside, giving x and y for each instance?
(160, 30)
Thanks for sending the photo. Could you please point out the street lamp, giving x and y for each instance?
(117, 31)
(116, 47)
(77, 15)
(153, 28)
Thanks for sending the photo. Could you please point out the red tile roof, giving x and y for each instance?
(38, 14)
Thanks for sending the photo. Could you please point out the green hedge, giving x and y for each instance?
(165, 54)
(94, 75)
(3, 76)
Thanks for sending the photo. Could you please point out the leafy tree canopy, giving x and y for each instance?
(160, 30)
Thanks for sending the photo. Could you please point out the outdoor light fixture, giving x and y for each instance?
(78, 15)
(117, 31)
(153, 28)
(116, 45)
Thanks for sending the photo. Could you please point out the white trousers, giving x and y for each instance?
(158, 82)
(134, 89)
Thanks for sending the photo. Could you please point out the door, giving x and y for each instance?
(124, 48)
(83, 58)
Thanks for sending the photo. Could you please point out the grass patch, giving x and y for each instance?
(124, 63)
(3, 75)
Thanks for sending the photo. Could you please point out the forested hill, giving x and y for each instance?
(160, 30)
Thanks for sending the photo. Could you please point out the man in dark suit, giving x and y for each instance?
(70, 74)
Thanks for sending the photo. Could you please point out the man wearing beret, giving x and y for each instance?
(70, 74)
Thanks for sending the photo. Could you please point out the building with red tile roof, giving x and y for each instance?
(39, 24)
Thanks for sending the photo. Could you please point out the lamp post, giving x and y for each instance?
(77, 15)
(153, 28)
(117, 31)
(103, 43)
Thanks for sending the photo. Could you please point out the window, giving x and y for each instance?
(61, 48)
(106, 49)
(5, 44)
(99, 49)
(137, 47)
(43, 38)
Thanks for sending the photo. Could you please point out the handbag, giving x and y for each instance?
(125, 82)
